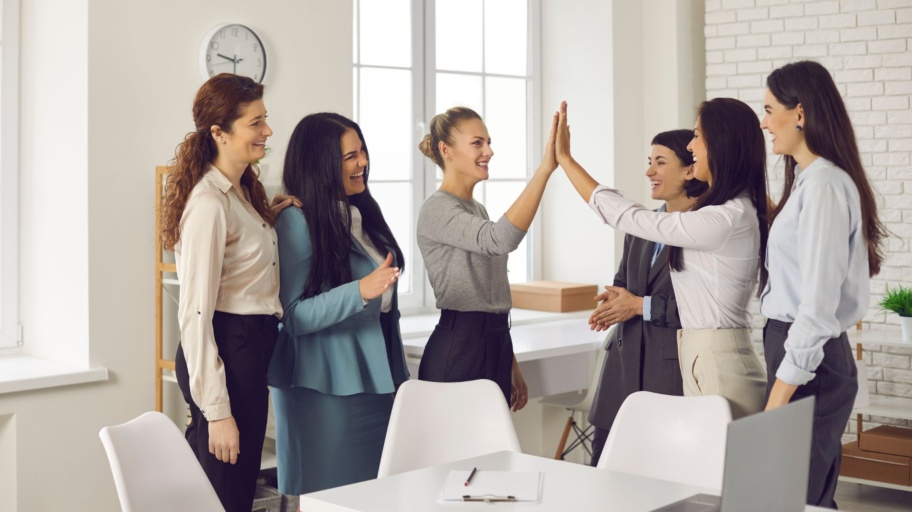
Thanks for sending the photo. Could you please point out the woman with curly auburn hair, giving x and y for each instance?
(216, 218)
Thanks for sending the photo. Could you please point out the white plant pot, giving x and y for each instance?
(906, 323)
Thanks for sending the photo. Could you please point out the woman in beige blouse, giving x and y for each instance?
(218, 221)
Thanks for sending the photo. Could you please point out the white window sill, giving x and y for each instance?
(422, 325)
(20, 372)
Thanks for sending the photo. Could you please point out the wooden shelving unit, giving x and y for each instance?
(887, 407)
(161, 268)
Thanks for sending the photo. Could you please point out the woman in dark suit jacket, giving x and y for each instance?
(642, 350)
(338, 358)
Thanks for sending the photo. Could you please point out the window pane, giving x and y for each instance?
(505, 37)
(386, 32)
(498, 197)
(459, 32)
(458, 91)
(385, 113)
(505, 102)
(395, 200)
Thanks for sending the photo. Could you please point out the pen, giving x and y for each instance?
(470, 477)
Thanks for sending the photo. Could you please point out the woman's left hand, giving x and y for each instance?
(282, 201)
(519, 396)
(549, 160)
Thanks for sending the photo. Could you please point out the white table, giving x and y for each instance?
(553, 354)
(567, 487)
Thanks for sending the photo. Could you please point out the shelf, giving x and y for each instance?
(888, 408)
(889, 337)
(853, 480)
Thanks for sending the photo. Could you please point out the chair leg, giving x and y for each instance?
(563, 440)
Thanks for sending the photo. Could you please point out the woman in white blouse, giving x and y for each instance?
(714, 249)
(216, 218)
(824, 244)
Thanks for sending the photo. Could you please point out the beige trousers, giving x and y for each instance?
(723, 362)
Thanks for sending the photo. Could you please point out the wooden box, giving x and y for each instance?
(880, 467)
(887, 439)
(554, 296)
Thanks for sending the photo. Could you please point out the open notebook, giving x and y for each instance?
(492, 486)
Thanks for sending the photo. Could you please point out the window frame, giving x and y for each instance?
(10, 334)
(421, 298)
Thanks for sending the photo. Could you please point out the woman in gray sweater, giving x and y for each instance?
(466, 257)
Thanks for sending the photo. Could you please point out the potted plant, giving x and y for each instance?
(899, 301)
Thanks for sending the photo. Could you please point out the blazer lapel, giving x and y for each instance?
(644, 249)
(660, 263)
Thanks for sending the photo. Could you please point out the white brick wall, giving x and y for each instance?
(867, 46)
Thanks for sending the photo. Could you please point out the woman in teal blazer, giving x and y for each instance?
(339, 356)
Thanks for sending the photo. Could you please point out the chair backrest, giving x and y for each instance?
(155, 469)
(675, 438)
(586, 405)
(438, 422)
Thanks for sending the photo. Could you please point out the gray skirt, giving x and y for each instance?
(325, 441)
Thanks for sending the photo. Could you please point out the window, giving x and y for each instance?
(416, 58)
(9, 172)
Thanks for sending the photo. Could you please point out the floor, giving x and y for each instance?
(866, 498)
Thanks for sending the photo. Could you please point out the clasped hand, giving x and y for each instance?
(616, 305)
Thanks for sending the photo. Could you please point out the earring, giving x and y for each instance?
(799, 128)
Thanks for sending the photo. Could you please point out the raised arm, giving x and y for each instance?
(579, 178)
(521, 213)
(706, 229)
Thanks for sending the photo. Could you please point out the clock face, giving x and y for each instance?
(233, 49)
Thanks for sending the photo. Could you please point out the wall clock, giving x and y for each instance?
(233, 48)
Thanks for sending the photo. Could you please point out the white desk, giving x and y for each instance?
(567, 487)
(553, 354)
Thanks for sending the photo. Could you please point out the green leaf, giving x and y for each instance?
(898, 300)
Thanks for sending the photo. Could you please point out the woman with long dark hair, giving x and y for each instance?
(466, 257)
(824, 245)
(216, 218)
(715, 248)
(643, 353)
(339, 355)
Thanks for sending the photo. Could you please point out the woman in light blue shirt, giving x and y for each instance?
(824, 243)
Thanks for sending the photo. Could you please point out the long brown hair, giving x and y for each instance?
(219, 102)
(736, 151)
(313, 174)
(828, 133)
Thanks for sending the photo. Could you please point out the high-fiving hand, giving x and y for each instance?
(562, 144)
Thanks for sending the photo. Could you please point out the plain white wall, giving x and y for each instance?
(107, 88)
(628, 71)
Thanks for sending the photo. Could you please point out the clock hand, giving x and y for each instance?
(224, 57)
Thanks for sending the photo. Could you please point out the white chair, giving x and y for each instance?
(155, 469)
(577, 402)
(677, 438)
(438, 422)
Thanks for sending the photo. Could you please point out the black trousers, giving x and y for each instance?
(598, 444)
(469, 346)
(245, 344)
(834, 388)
